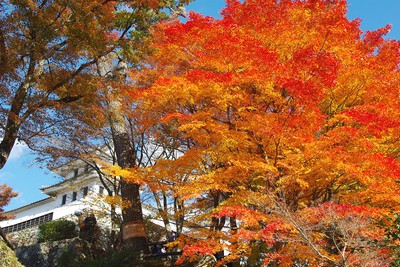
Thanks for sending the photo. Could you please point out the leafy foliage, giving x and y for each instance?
(392, 240)
(57, 230)
(124, 258)
(274, 131)
(7, 256)
(287, 118)
(6, 194)
(48, 56)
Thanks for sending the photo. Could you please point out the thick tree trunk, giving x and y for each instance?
(14, 120)
(6, 146)
(14, 117)
(133, 231)
(12, 127)
(3, 53)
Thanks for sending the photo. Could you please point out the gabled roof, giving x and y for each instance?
(102, 153)
(68, 167)
(53, 190)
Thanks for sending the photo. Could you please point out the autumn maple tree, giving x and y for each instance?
(287, 116)
(47, 48)
(6, 193)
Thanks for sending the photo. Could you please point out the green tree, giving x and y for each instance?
(57, 230)
(7, 256)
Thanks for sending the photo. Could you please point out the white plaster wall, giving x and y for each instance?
(55, 206)
(69, 209)
(28, 214)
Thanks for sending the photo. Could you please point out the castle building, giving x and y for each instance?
(75, 193)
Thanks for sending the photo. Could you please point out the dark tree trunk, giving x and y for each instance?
(14, 120)
(6, 146)
(133, 230)
(3, 53)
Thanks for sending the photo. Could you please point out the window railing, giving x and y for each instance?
(29, 223)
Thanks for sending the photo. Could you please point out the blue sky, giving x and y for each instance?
(20, 174)
(374, 13)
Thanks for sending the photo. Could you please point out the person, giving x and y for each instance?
(89, 228)
(90, 221)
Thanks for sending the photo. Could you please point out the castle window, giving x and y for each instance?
(29, 223)
(64, 200)
(74, 195)
(76, 172)
(101, 190)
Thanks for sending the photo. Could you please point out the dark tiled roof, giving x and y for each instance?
(56, 184)
(64, 181)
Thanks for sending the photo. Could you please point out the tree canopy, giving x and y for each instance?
(6, 194)
(48, 55)
(271, 134)
(288, 116)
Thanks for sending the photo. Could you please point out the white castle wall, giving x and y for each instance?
(54, 205)
(77, 178)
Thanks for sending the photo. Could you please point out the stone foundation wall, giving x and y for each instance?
(24, 237)
(29, 236)
(48, 254)
(57, 253)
